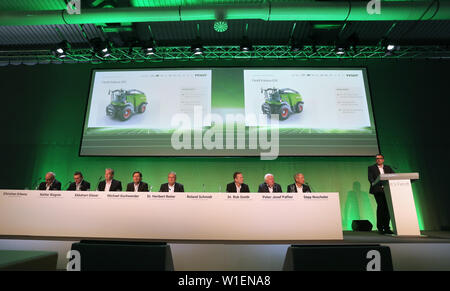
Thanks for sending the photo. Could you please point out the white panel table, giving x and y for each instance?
(171, 217)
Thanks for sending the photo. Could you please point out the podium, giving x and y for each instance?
(400, 200)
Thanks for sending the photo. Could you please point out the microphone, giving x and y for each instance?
(293, 188)
(98, 182)
(151, 187)
(203, 187)
(312, 189)
(35, 184)
(220, 188)
(65, 187)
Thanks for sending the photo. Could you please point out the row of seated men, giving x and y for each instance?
(269, 185)
(110, 184)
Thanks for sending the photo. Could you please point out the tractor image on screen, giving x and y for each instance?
(282, 102)
(126, 103)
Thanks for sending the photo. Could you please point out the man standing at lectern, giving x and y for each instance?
(377, 190)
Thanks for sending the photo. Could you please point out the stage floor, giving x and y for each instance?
(366, 237)
(408, 253)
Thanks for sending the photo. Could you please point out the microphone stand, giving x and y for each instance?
(98, 183)
(312, 189)
(35, 184)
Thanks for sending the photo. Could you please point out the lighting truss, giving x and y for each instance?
(126, 55)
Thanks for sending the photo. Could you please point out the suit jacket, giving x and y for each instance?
(293, 188)
(165, 187)
(115, 185)
(232, 188)
(85, 186)
(265, 189)
(374, 172)
(143, 187)
(56, 185)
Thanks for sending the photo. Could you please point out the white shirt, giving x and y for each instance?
(270, 189)
(238, 188)
(48, 187)
(78, 186)
(172, 188)
(107, 186)
(136, 187)
(381, 169)
(299, 189)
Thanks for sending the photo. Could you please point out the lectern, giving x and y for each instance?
(400, 200)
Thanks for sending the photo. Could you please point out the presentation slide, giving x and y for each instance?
(147, 99)
(229, 112)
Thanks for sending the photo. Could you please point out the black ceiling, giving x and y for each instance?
(257, 31)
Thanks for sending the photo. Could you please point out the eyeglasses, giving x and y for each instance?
(380, 158)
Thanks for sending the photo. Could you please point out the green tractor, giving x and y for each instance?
(125, 103)
(282, 102)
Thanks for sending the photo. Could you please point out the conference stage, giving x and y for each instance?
(214, 231)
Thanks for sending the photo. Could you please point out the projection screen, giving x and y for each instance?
(265, 112)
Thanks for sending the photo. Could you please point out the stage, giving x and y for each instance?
(425, 253)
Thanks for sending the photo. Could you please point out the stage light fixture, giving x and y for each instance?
(197, 50)
(102, 49)
(246, 46)
(60, 51)
(149, 51)
(391, 48)
(340, 50)
(105, 52)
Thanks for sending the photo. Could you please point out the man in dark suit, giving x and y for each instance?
(109, 184)
(377, 190)
(172, 185)
(269, 185)
(137, 185)
(80, 184)
(299, 185)
(50, 182)
(238, 185)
